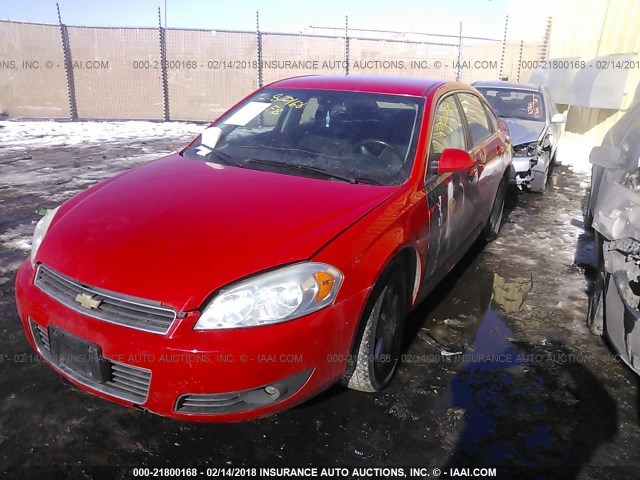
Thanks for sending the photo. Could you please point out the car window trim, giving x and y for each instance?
(488, 111)
(495, 126)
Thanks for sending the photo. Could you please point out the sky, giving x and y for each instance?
(479, 17)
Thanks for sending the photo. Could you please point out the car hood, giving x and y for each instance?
(523, 131)
(176, 229)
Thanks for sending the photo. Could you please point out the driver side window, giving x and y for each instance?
(447, 132)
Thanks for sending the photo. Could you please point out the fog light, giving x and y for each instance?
(233, 402)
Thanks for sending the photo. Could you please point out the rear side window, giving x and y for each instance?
(476, 118)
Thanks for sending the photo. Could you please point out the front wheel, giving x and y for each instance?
(378, 352)
(494, 223)
(539, 182)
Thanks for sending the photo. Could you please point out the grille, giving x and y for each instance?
(125, 381)
(110, 307)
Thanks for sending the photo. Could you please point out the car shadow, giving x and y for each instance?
(530, 405)
(512, 201)
(533, 410)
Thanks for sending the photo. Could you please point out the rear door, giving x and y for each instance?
(487, 149)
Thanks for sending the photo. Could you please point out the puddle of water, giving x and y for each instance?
(493, 387)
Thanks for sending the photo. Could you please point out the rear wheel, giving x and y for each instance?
(377, 354)
(494, 223)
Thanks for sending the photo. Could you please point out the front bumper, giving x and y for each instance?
(215, 376)
(526, 167)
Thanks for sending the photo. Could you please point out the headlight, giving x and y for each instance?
(40, 232)
(284, 294)
(527, 150)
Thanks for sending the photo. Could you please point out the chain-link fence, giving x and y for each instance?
(200, 86)
(25, 90)
(111, 88)
(59, 71)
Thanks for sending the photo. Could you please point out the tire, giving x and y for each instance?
(595, 312)
(494, 223)
(377, 354)
(588, 216)
(539, 182)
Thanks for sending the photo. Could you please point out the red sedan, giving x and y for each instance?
(277, 254)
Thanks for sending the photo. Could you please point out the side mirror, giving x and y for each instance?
(454, 160)
(607, 157)
(559, 118)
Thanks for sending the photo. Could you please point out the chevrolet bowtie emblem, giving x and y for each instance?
(87, 301)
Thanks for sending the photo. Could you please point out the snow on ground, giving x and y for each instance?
(574, 152)
(44, 163)
(30, 134)
(545, 238)
(37, 157)
(34, 178)
(18, 237)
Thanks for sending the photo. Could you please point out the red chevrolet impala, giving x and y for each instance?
(277, 254)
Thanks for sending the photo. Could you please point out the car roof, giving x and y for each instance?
(507, 85)
(418, 87)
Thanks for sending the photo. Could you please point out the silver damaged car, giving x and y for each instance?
(535, 127)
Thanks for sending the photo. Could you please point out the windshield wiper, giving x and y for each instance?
(226, 158)
(303, 168)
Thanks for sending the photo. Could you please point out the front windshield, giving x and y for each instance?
(522, 104)
(334, 135)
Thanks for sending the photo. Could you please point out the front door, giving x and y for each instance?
(445, 192)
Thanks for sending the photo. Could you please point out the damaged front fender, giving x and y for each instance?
(617, 219)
